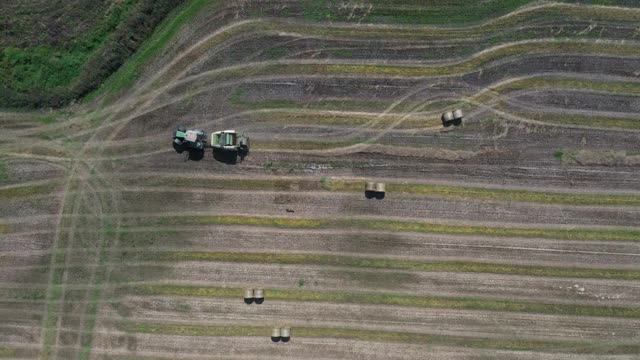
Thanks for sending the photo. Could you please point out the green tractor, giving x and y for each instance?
(189, 139)
(194, 141)
(228, 145)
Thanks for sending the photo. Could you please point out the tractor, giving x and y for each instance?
(194, 141)
(186, 139)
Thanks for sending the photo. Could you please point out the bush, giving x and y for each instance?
(47, 77)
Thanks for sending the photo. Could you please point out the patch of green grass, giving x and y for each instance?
(48, 119)
(300, 145)
(409, 12)
(386, 336)
(3, 171)
(276, 53)
(128, 73)
(24, 191)
(584, 120)
(12, 294)
(386, 263)
(45, 67)
(538, 82)
(301, 283)
(558, 154)
(7, 352)
(408, 226)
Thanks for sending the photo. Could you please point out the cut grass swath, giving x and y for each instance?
(386, 263)
(395, 225)
(386, 336)
(466, 303)
(352, 185)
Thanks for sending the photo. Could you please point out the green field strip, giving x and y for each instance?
(15, 294)
(384, 336)
(545, 15)
(491, 194)
(385, 263)
(377, 298)
(17, 352)
(395, 225)
(171, 25)
(349, 119)
(164, 32)
(27, 190)
(415, 13)
(299, 144)
(537, 82)
(281, 68)
(582, 120)
(296, 110)
(226, 183)
(349, 185)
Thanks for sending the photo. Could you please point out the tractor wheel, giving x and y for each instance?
(181, 128)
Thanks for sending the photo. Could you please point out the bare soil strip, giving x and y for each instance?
(388, 336)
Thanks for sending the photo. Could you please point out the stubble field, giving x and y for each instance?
(514, 236)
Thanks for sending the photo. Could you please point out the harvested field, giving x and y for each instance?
(513, 236)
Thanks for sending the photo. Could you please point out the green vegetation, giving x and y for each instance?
(276, 68)
(410, 12)
(166, 30)
(408, 188)
(13, 294)
(86, 339)
(564, 83)
(397, 225)
(45, 67)
(386, 263)
(466, 303)
(387, 336)
(558, 154)
(583, 120)
(3, 171)
(237, 98)
(7, 352)
(300, 145)
(415, 12)
(340, 117)
(47, 75)
(494, 194)
(24, 191)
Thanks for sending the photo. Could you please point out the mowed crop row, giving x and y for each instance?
(133, 253)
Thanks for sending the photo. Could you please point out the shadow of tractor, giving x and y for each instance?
(229, 157)
(189, 154)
